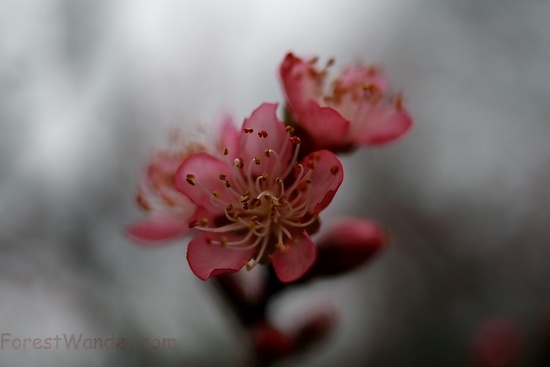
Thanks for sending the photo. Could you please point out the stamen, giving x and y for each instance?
(303, 185)
(292, 161)
(282, 247)
(190, 179)
(312, 161)
(259, 256)
(223, 229)
(245, 197)
(300, 225)
(239, 163)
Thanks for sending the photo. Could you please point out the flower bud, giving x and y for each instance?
(349, 244)
(498, 342)
(269, 343)
(316, 328)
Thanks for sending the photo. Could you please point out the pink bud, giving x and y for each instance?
(498, 342)
(315, 328)
(269, 343)
(349, 244)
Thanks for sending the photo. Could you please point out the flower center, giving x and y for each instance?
(261, 209)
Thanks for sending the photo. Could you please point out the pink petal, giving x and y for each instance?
(326, 176)
(301, 82)
(158, 228)
(207, 260)
(292, 262)
(206, 170)
(384, 125)
(264, 119)
(361, 75)
(324, 124)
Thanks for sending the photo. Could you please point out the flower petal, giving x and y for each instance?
(324, 124)
(207, 259)
(384, 125)
(295, 259)
(205, 169)
(264, 119)
(301, 82)
(326, 176)
(360, 75)
(155, 229)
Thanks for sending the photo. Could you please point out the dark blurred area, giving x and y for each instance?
(89, 89)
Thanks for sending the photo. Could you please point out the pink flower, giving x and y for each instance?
(168, 211)
(356, 111)
(257, 204)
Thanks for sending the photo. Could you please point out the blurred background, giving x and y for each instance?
(89, 89)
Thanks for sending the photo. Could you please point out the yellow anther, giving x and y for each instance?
(254, 203)
(281, 247)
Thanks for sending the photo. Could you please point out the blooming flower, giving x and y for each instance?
(256, 203)
(168, 212)
(356, 111)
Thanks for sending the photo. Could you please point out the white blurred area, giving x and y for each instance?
(88, 89)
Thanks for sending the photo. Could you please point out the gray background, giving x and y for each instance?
(88, 89)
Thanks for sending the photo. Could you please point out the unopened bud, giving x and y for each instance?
(498, 342)
(349, 244)
(270, 344)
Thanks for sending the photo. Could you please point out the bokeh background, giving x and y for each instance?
(89, 89)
